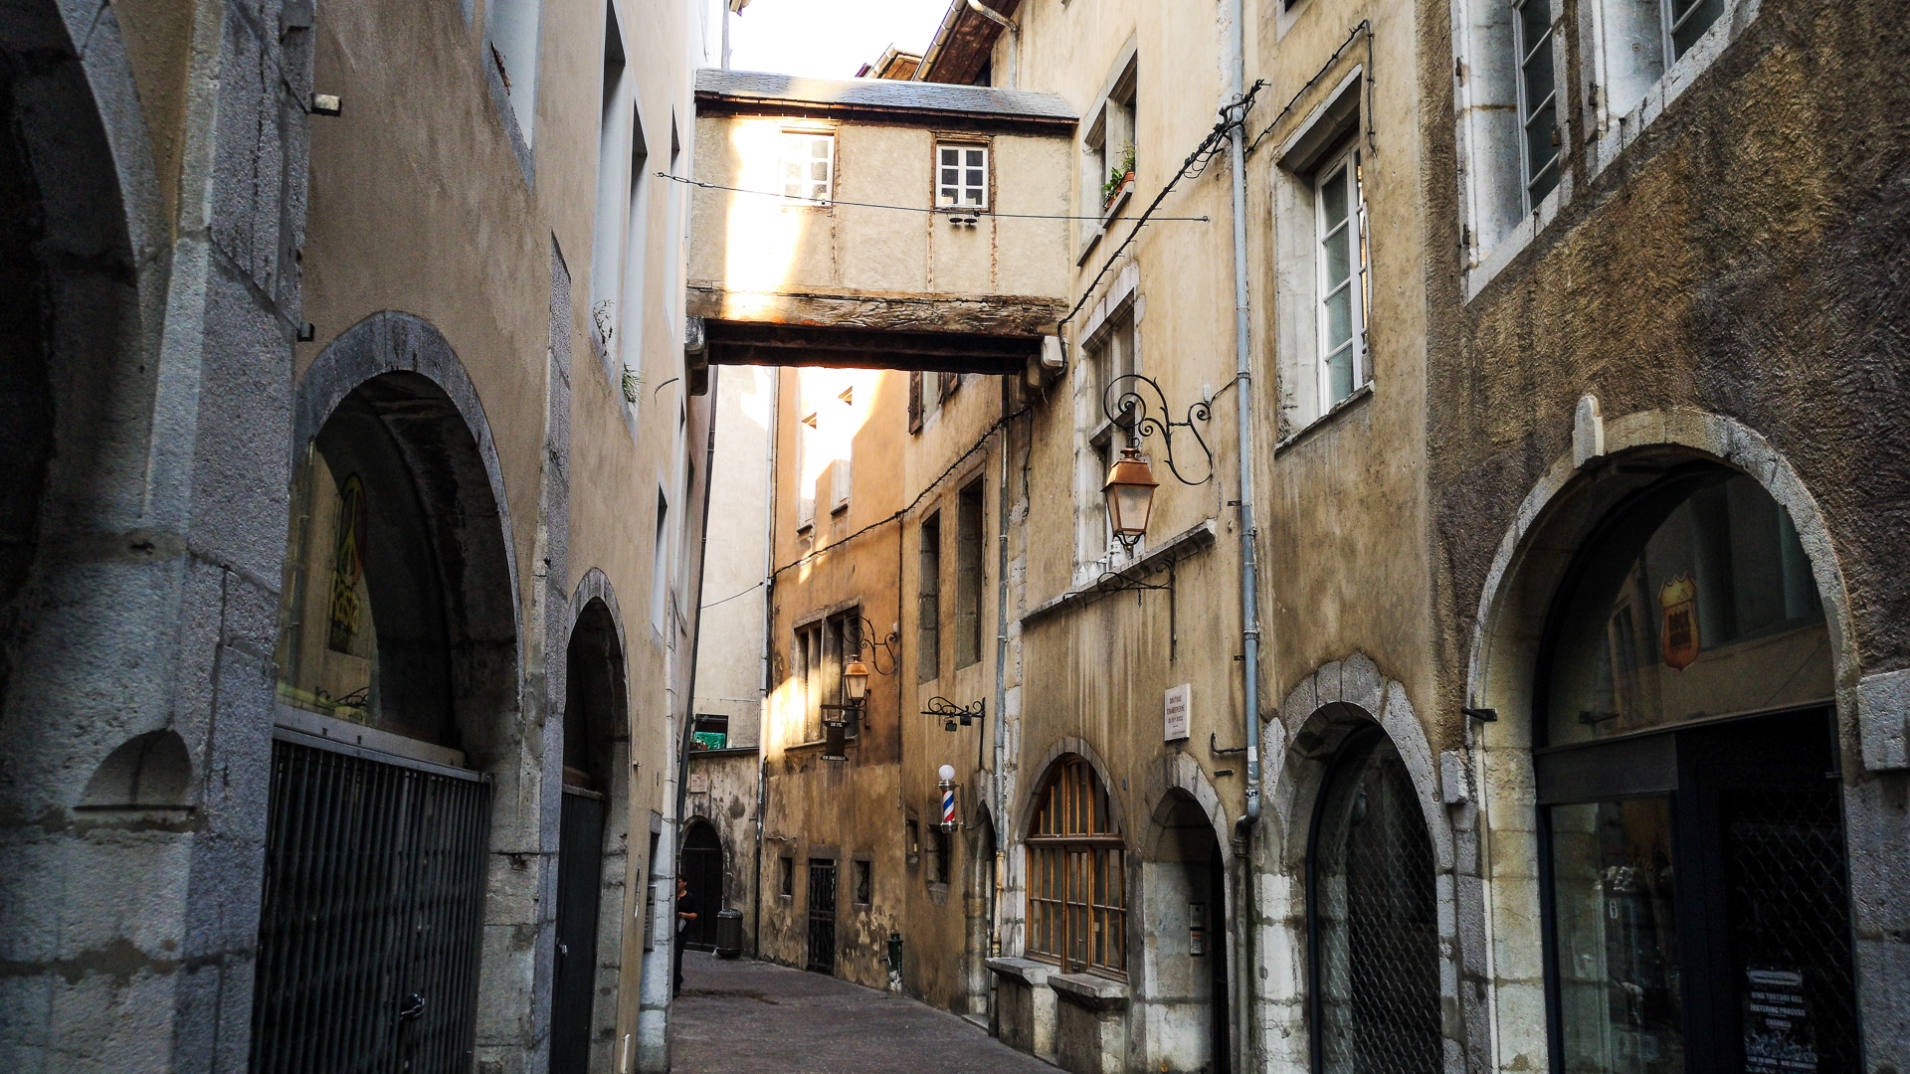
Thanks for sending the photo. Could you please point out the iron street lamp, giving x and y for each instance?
(837, 719)
(1131, 401)
(1130, 495)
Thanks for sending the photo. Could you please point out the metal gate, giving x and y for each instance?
(1373, 921)
(369, 924)
(822, 915)
(580, 837)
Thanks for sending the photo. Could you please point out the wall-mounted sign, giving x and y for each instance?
(1777, 1023)
(1680, 628)
(1177, 706)
(699, 783)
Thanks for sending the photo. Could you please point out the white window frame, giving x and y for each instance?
(1352, 231)
(798, 150)
(1112, 122)
(962, 194)
(1523, 55)
(1098, 440)
(1634, 71)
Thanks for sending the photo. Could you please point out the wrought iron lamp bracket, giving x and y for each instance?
(890, 646)
(955, 716)
(1132, 402)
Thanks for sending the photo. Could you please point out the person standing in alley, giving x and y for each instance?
(685, 913)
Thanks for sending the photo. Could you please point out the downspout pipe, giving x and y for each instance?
(769, 626)
(1001, 643)
(1235, 72)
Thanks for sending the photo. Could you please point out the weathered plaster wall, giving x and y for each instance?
(727, 800)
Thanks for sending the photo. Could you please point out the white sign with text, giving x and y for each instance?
(1178, 702)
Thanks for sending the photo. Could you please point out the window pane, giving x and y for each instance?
(1339, 374)
(950, 158)
(819, 148)
(975, 177)
(1333, 199)
(1537, 74)
(976, 158)
(1339, 318)
(1619, 1001)
(1690, 21)
(1339, 257)
(974, 197)
(1535, 21)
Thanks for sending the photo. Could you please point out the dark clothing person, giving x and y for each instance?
(685, 913)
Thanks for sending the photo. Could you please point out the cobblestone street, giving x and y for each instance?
(746, 1017)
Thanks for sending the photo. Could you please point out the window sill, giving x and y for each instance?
(839, 510)
(1502, 253)
(1360, 395)
(1108, 213)
(1090, 990)
(1174, 549)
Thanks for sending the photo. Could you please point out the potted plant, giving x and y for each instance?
(1120, 176)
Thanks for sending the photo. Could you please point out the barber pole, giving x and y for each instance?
(947, 773)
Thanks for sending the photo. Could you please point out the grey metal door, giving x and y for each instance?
(368, 926)
(580, 837)
(822, 915)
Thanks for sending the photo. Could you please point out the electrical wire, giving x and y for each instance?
(947, 210)
(919, 497)
(1196, 160)
(732, 596)
(1364, 26)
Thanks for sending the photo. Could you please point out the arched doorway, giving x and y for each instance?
(591, 810)
(984, 886)
(395, 653)
(701, 865)
(1372, 916)
(1185, 888)
(1691, 844)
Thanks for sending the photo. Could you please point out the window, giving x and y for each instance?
(1371, 902)
(808, 165)
(1685, 768)
(823, 647)
(941, 850)
(1341, 278)
(969, 574)
(613, 137)
(510, 44)
(1077, 882)
(660, 568)
(786, 876)
(928, 617)
(961, 176)
(1633, 43)
(926, 392)
(1107, 147)
(809, 465)
(1109, 354)
(1538, 103)
(865, 884)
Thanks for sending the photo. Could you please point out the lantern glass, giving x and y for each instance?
(855, 680)
(1130, 496)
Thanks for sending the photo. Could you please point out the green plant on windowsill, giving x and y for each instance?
(1119, 175)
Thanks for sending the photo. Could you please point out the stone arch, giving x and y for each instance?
(1317, 717)
(1575, 494)
(1062, 747)
(405, 372)
(1179, 773)
(595, 736)
(149, 771)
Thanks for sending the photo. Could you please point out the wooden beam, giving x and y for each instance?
(988, 315)
(745, 343)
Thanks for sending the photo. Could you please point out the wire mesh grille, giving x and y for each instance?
(1375, 924)
(1790, 930)
(368, 930)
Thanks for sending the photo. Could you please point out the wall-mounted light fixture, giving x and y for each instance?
(955, 716)
(1130, 402)
(838, 720)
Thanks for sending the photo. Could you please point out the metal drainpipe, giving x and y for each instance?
(1236, 75)
(1001, 663)
(769, 625)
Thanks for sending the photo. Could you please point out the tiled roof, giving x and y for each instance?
(859, 94)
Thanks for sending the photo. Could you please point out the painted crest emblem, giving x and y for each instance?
(1679, 632)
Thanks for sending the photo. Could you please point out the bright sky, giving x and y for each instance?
(828, 38)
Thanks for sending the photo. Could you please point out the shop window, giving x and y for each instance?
(1372, 914)
(1697, 899)
(1077, 883)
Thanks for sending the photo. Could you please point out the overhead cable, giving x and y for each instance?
(946, 210)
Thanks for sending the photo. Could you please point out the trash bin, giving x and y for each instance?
(729, 933)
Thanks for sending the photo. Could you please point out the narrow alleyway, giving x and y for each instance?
(746, 1017)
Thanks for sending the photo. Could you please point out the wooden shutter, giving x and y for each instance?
(915, 402)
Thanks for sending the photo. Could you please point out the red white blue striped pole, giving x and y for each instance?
(948, 797)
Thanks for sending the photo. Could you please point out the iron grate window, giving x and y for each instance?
(369, 922)
(1373, 917)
